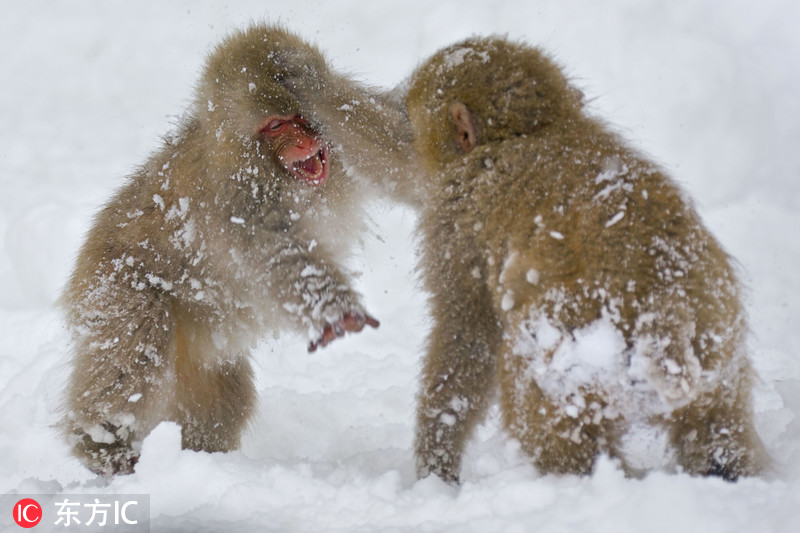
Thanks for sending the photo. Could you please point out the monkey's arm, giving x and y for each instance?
(371, 126)
(315, 293)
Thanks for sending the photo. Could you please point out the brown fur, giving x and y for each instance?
(208, 245)
(539, 228)
(566, 228)
(370, 125)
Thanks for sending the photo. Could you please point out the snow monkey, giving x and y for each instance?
(232, 229)
(564, 267)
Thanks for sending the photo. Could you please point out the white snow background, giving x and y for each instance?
(709, 88)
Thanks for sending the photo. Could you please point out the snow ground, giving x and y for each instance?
(708, 87)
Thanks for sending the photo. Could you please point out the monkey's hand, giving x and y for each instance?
(350, 322)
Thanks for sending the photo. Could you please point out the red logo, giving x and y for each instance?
(27, 512)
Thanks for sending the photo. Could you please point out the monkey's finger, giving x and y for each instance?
(352, 322)
(355, 322)
(317, 343)
(327, 336)
(314, 345)
(339, 329)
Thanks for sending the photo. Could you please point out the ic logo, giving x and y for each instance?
(27, 512)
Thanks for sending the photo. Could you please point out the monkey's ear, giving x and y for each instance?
(465, 129)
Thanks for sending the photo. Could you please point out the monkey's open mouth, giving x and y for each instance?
(314, 169)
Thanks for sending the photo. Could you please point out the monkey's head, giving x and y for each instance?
(485, 89)
(243, 104)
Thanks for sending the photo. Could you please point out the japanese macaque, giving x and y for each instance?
(564, 268)
(234, 228)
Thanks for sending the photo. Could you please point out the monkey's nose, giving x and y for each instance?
(308, 143)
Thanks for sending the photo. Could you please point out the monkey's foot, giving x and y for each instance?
(350, 322)
(106, 458)
(731, 467)
(444, 471)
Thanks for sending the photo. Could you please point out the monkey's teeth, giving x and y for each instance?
(312, 168)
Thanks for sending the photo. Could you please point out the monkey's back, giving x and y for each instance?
(583, 230)
(593, 210)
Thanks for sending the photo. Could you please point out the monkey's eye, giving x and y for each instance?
(275, 126)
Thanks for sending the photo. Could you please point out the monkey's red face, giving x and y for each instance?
(300, 149)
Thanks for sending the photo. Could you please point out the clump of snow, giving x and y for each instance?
(594, 360)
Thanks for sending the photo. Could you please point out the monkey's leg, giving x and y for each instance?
(115, 396)
(712, 433)
(559, 443)
(457, 381)
(561, 438)
(215, 396)
(458, 377)
(715, 435)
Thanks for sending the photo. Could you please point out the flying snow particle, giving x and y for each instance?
(159, 201)
(616, 218)
(100, 435)
(447, 419)
(508, 301)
